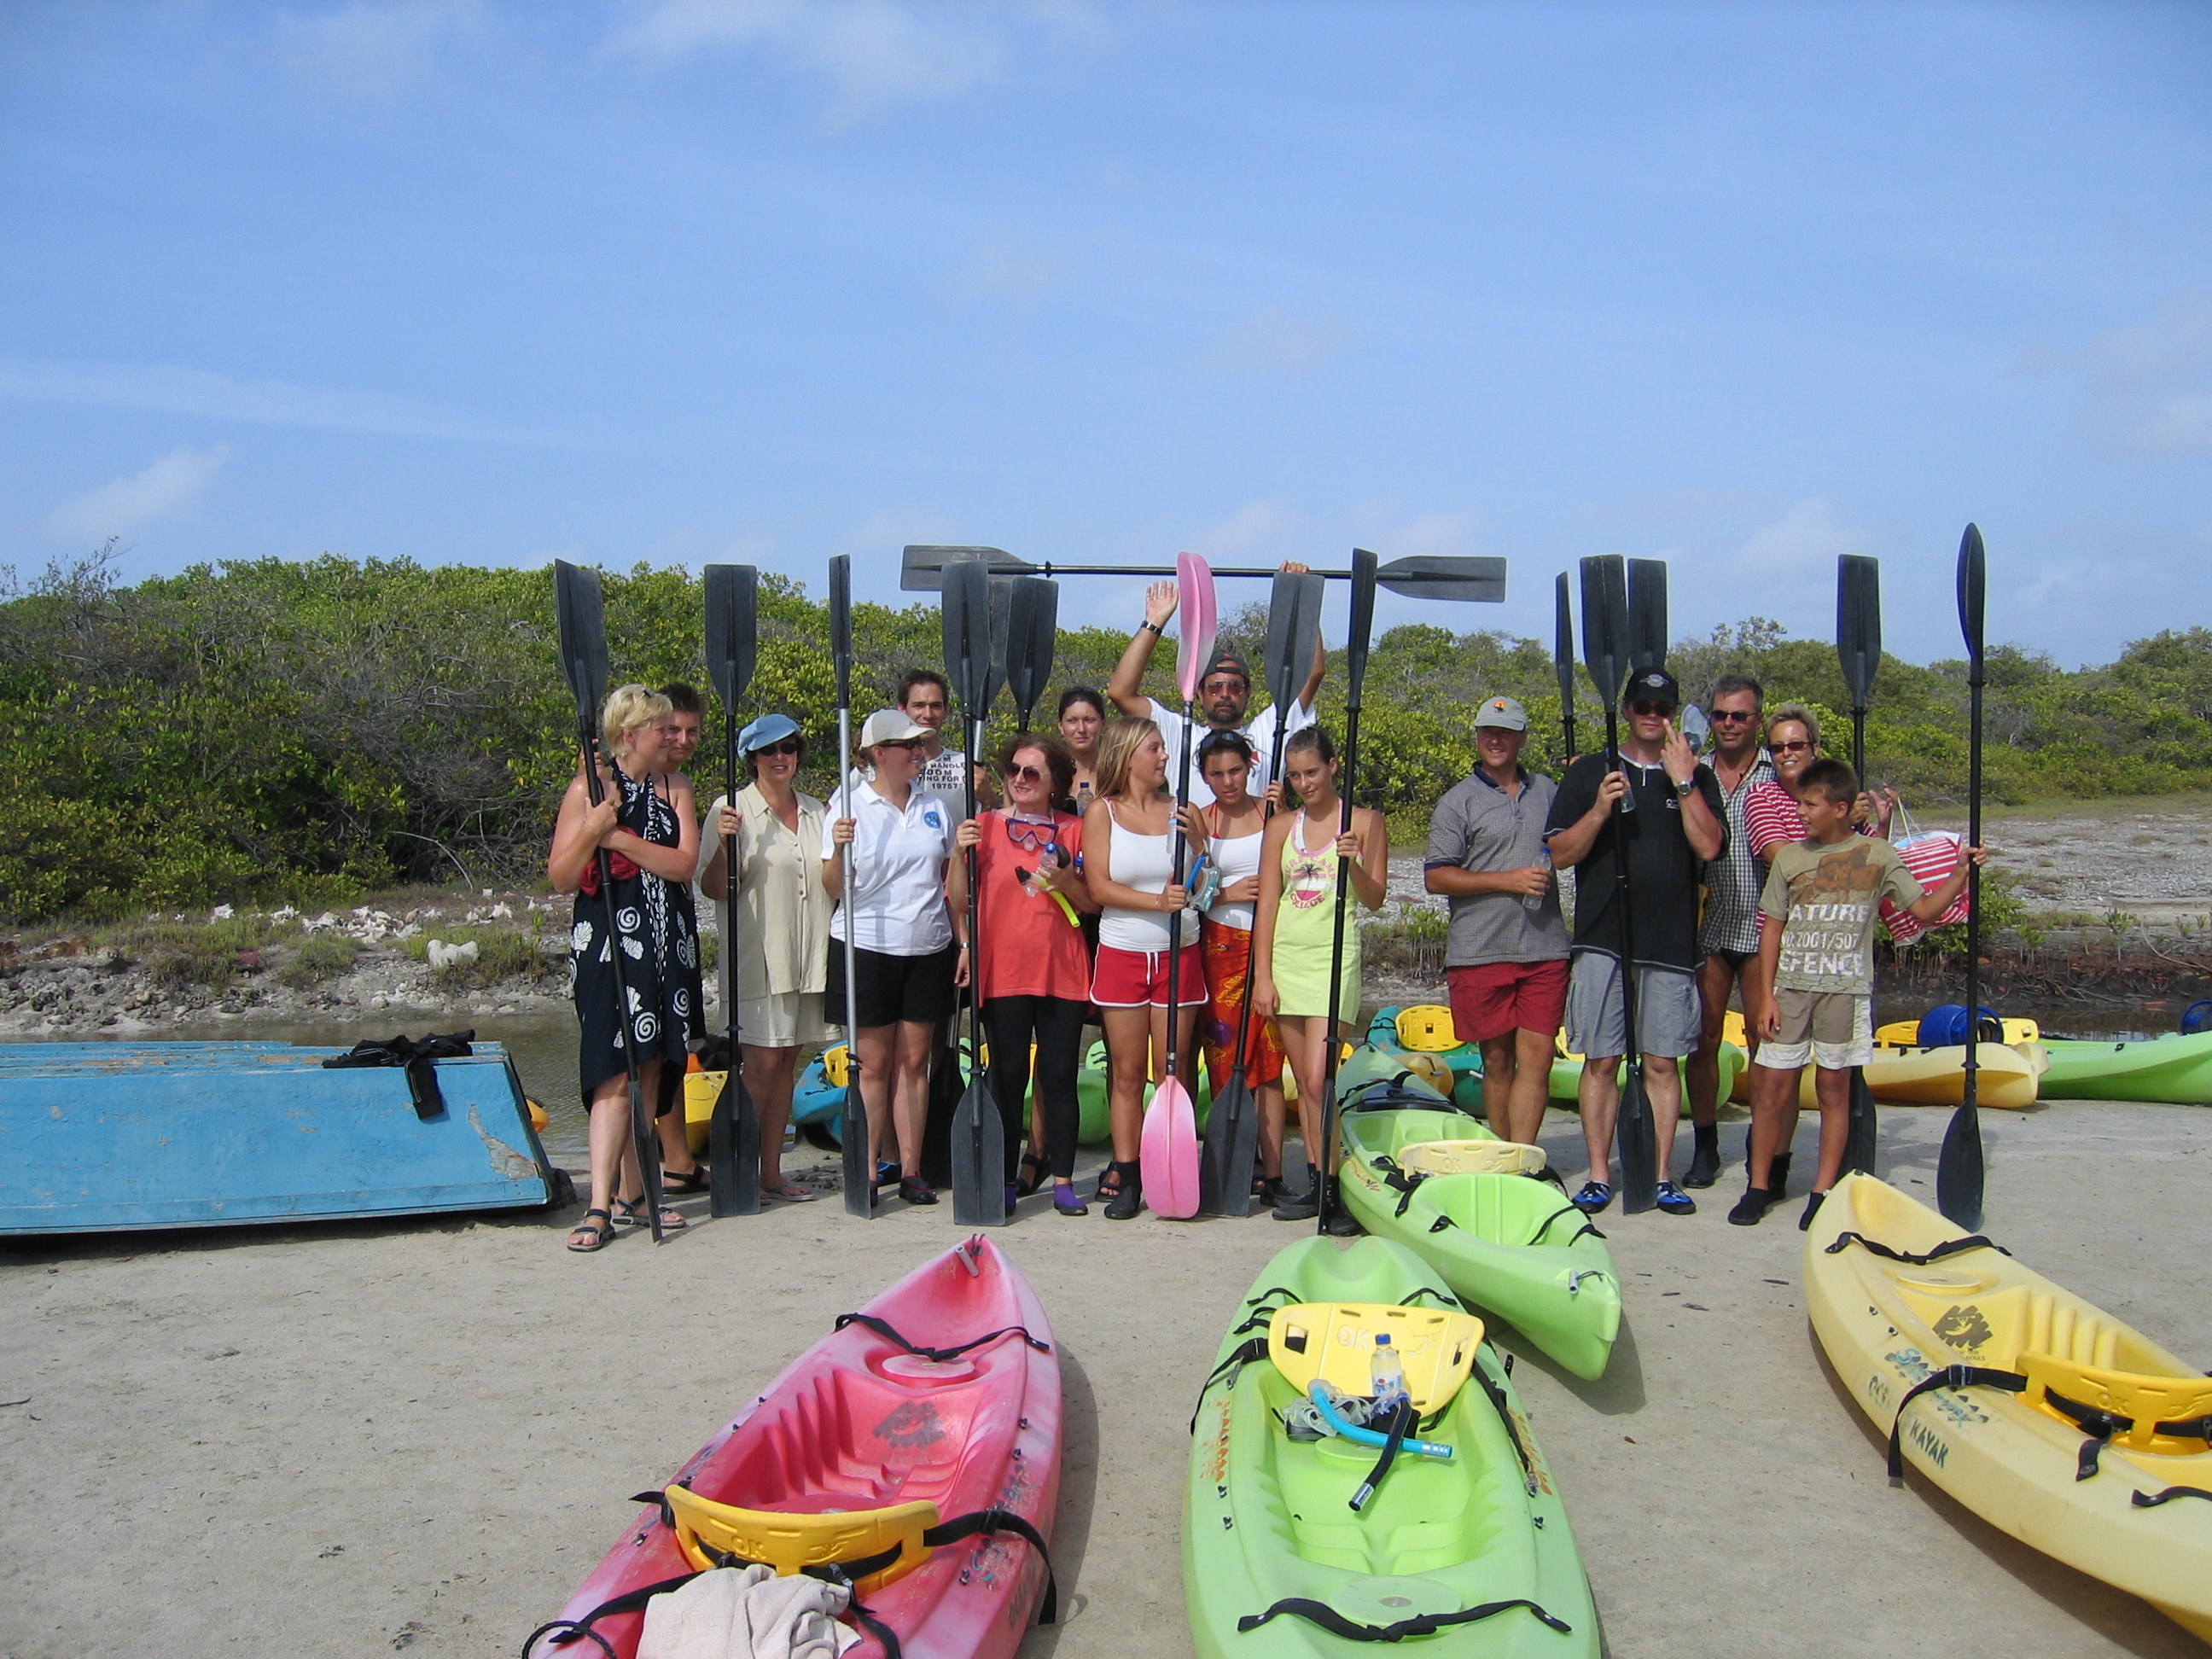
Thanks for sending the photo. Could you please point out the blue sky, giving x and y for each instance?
(1742, 287)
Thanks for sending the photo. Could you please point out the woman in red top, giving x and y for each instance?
(1032, 972)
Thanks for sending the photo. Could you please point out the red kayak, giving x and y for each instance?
(913, 1453)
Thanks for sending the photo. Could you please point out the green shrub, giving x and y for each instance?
(317, 958)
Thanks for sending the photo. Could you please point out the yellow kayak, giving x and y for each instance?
(1905, 1033)
(1925, 1077)
(2037, 1410)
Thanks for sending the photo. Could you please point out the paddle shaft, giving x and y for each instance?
(734, 1190)
(1355, 679)
(1974, 677)
(859, 1160)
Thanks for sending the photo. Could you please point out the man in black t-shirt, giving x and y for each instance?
(1665, 808)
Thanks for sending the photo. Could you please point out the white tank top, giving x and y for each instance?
(1235, 857)
(1145, 863)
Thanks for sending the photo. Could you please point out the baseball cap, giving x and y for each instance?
(1655, 684)
(1226, 661)
(767, 729)
(1505, 713)
(890, 726)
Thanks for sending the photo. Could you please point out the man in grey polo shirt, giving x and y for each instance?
(1505, 957)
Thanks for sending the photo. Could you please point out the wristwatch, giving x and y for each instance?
(1686, 785)
(1148, 622)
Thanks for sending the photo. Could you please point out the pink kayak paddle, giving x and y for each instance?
(1168, 1158)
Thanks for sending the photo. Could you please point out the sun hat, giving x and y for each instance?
(765, 729)
(890, 725)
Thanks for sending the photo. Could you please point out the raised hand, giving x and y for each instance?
(1160, 601)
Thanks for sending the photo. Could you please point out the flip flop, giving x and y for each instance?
(791, 1193)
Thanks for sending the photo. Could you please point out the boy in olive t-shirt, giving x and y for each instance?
(1813, 988)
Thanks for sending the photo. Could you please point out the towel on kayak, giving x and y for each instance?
(747, 1612)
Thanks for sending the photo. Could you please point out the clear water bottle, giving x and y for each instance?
(1386, 1377)
(1534, 902)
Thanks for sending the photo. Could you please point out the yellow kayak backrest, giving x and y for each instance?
(1427, 1029)
(1905, 1033)
(1335, 1340)
(1442, 1157)
(836, 1066)
(2146, 1400)
(791, 1542)
(1432, 1070)
(1732, 1029)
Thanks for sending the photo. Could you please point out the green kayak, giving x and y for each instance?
(2173, 1069)
(1474, 1548)
(1094, 1124)
(1503, 1236)
(1567, 1074)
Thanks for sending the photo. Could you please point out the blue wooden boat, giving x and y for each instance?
(99, 1137)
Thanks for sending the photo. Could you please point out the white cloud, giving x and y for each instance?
(1277, 340)
(374, 50)
(168, 389)
(166, 490)
(869, 54)
(1808, 536)
(2147, 388)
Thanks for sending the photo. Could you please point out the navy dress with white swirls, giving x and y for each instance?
(660, 937)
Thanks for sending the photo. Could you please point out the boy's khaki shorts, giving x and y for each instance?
(1831, 1030)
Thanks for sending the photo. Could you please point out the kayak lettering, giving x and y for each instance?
(1878, 1391)
(912, 1426)
(1217, 1464)
(1027, 1586)
(1937, 1448)
(1538, 1472)
(1963, 1328)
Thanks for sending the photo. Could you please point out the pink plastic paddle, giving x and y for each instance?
(1168, 1157)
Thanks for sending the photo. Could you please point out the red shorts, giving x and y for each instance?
(1130, 979)
(1501, 997)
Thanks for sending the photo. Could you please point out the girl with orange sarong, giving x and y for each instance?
(1236, 826)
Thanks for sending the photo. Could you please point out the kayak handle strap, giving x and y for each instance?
(883, 1328)
(1427, 1624)
(1949, 1246)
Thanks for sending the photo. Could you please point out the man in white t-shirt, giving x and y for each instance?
(1224, 697)
(924, 698)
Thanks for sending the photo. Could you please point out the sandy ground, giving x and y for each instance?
(354, 1439)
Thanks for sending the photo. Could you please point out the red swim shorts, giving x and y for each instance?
(1130, 979)
(1500, 997)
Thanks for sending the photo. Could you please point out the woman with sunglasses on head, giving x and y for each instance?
(1032, 974)
(908, 956)
(644, 823)
(1130, 831)
(1770, 807)
(777, 931)
(1237, 824)
(1082, 723)
(1294, 933)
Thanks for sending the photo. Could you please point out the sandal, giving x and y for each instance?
(1025, 1183)
(791, 1193)
(598, 1236)
(626, 1215)
(693, 1179)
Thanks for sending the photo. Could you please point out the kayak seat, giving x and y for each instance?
(1511, 1212)
(1442, 1158)
(1335, 1342)
(2168, 1415)
(1427, 1029)
(791, 1543)
(836, 1066)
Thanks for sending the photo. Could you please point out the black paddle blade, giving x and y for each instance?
(1293, 629)
(841, 625)
(966, 607)
(733, 1151)
(1647, 614)
(1225, 1161)
(1563, 641)
(1444, 576)
(921, 569)
(852, 1136)
(979, 1158)
(1959, 1169)
(1002, 618)
(1636, 1142)
(1032, 631)
(1605, 625)
(1859, 1149)
(1972, 580)
(1364, 570)
(581, 614)
(1858, 624)
(733, 613)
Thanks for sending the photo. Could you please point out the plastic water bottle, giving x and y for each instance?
(1386, 1377)
(1534, 902)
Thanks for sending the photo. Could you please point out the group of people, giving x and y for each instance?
(1760, 868)
(1176, 882)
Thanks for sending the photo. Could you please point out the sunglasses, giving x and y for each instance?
(1789, 748)
(907, 744)
(786, 746)
(1646, 706)
(1719, 715)
(1025, 774)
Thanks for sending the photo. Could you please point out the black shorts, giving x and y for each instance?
(1736, 959)
(888, 989)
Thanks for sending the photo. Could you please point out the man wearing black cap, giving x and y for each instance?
(1224, 695)
(1665, 807)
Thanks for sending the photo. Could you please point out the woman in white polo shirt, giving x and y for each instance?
(907, 959)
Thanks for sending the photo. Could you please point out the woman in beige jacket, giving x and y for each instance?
(780, 937)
